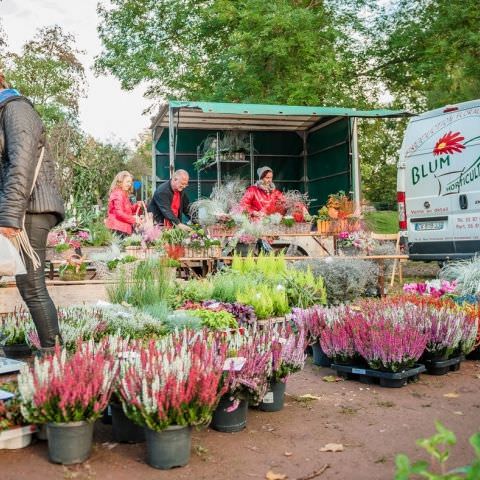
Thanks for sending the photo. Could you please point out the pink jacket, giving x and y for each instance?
(121, 213)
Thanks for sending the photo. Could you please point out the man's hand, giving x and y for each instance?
(184, 227)
(9, 232)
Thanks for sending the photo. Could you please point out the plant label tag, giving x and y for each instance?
(4, 395)
(268, 398)
(235, 363)
(360, 371)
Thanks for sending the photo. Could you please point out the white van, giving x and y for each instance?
(438, 183)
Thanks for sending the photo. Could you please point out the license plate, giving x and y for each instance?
(421, 227)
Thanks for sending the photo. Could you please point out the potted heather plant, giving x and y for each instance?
(389, 345)
(313, 321)
(168, 387)
(14, 430)
(68, 394)
(15, 327)
(337, 339)
(245, 378)
(288, 357)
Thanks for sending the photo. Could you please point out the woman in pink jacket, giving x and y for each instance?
(121, 213)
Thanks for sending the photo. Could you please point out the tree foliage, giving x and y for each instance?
(283, 51)
(49, 72)
(427, 51)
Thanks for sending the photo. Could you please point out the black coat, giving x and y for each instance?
(160, 205)
(22, 137)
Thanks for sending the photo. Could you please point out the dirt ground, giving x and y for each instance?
(372, 423)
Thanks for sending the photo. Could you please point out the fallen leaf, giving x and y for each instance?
(275, 476)
(451, 395)
(332, 447)
(477, 375)
(109, 445)
(332, 378)
(308, 396)
(288, 454)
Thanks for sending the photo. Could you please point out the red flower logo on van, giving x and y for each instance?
(449, 143)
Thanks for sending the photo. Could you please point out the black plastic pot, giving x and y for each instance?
(442, 367)
(17, 350)
(243, 249)
(106, 417)
(123, 429)
(474, 354)
(169, 448)
(274, 399)
(69, 443)
(319, 357)
(225, 421)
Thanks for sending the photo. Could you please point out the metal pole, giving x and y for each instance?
(355, 166)
(305, 170)
(252, 174)
(154, 160)
(171, 140)
(219, 165)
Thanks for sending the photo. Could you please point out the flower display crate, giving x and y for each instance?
(213, 252)
(221, 231)
(295, 228)
(384, 379)
(18, 437)
(337, 226)
(139, 252)
(442, 367)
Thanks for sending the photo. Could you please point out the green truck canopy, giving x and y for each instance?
(311, 149)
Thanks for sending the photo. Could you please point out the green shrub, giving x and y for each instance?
(215, 320)
(182, 319)
(304, 289)
(100, 234)
(345, 279)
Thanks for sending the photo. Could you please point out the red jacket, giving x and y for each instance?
(121, 212)
(257, 200)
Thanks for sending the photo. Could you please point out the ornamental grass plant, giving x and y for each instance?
(61, 388)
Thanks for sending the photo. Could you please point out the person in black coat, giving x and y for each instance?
(28, 208)
(170, 201)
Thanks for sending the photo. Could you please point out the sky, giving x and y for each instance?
(108, 112)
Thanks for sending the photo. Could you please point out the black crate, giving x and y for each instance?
(442, 367)
(384, 379)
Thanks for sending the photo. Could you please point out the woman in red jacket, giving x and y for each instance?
(263, 198)
(121, 213)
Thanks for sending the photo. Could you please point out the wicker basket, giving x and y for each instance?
(337, 226)
(195, 252)
(214, 251)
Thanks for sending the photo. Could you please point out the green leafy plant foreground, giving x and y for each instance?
(438, 446)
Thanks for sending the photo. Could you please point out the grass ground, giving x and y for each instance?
(382, 222)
